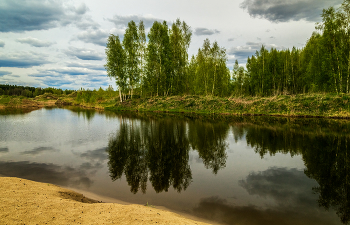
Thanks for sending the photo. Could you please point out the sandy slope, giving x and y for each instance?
(28, 202)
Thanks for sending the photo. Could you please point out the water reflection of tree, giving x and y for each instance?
(87, 114)
(128, 155)
(209, 139)
(327, 161)
(324, 150)
(158, 150)
(168, 155)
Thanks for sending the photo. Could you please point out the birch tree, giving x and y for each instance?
(131, 45)
(116, 63)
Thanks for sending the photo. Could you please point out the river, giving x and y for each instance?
(229, 170)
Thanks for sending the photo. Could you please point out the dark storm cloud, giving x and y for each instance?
(204, 31)
(43, 172)
(23, 60)
(84, 54)
(122, 21)
(34, 42)
(4, 150)
(3, 73)
(19, 16)
(38, 150)
(98, 37)
(2, 44)
(287, 10)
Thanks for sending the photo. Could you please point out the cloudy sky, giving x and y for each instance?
(61, 43)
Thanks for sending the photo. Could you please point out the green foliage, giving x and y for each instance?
(319, 105)
(131, 49)
(116, 63)
(162, 67)
(211, 76)
(158, 61)
(322, 66)
(142, 52)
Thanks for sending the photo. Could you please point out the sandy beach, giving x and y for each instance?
(27, 202)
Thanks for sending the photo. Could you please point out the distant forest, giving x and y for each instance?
(323, 65)
(29, 92)
(160, 66)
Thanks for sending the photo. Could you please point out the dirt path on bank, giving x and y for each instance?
(27, 202)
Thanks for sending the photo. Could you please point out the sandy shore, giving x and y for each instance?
(28, 202)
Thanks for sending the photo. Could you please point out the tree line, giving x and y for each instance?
(30, 92)
(160, 66)
(323, 65)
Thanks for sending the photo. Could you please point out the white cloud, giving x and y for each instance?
(98, 37)
(205, 31)
(23, 59)
(34, 42)
(84, 54)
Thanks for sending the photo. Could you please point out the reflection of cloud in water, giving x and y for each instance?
(97, 154)
(217, 209)
(290, 188)
(92, 167)
(38, 150)
(194, 157)
(286, 186)
(4, 150)
(43, 172)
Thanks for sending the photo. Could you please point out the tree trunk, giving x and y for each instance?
(339, 72)
(120, 95)
(212, 92)
(347, 78)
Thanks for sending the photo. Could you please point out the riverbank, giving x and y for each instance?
(302, 105)
(315, 105)
(23, 201)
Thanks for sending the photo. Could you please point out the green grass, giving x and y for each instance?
(312, 105)
(303, 105)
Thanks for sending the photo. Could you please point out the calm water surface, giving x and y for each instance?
(237, 170)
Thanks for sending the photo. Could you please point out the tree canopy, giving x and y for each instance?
(159, 65)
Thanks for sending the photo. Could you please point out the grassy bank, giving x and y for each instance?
(29, 103)
(303, 105)
(315, 105)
